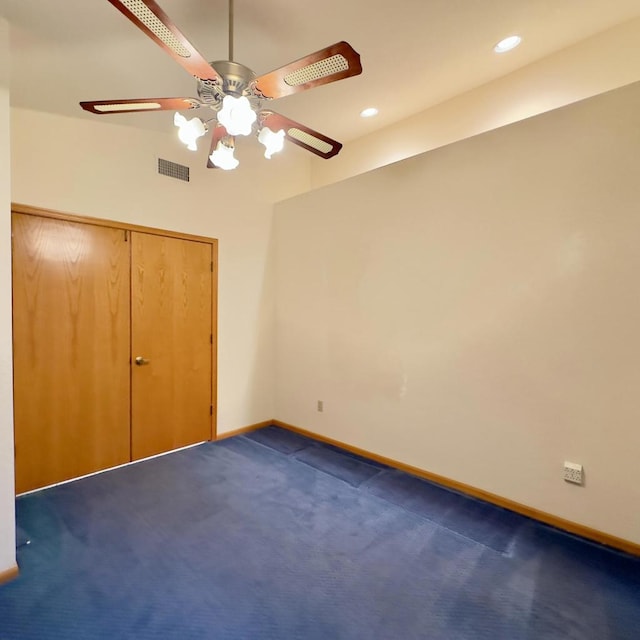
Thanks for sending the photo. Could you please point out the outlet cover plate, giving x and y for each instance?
(573, 472)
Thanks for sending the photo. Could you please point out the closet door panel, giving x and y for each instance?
(172, 319)
(71, 328)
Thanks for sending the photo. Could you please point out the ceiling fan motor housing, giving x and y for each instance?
(236, 81)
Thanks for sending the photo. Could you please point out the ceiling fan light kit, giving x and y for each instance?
(233, 92)
(222, 156)
(237, 116)
(272, 141)
(189, 130)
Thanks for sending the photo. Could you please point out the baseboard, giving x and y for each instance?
(9, 574)
(560, 523)
(239, 432)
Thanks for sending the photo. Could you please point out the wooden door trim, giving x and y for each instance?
(214, 345)
(9, 574)
(103, 222)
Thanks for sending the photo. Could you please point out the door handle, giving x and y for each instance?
(140, 361)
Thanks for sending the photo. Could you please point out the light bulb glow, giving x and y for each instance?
(237, 116)
(369, 112)
(272, 141)
(223, 157)
(189, 130)
(507, 44)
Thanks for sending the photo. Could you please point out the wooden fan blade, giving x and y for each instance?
(218, 133)
(301, 135)
(154, 22)
(328, 65)
(140, 104)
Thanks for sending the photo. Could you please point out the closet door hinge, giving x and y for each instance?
(212, 266)
(126, 235)
(211, 410)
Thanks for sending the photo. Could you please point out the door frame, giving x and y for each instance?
(126, 226)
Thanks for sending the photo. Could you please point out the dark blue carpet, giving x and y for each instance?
(22, 537)
(279, 439)
(494, 527)
(338, 465)
(265, 537)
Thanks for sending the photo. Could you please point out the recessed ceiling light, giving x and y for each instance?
(369, 112)
(507, 44)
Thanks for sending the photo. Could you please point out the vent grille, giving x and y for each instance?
(173, 169)
(317, 70)
(150, 20)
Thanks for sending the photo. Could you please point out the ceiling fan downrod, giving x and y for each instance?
(230, 30)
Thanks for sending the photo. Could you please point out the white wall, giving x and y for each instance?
(7, 519)
(473, 311)
(95, 168)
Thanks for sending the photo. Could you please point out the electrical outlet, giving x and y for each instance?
(573, 472)
(320, 406)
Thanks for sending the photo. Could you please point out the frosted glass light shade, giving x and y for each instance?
(272, 141)
(223, 157)
(237, 116)
(189, 130)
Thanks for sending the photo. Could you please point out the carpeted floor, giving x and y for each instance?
(274, 536)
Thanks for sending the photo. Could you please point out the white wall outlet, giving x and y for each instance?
(320, 406)
(573, 472)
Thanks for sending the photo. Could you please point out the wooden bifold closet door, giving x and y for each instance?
(70, 349)
(87, 300)
(171, 342)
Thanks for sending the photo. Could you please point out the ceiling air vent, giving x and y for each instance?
(173, 169)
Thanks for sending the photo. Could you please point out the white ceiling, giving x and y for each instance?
(415, 53)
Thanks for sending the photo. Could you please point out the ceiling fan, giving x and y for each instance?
(233, 91)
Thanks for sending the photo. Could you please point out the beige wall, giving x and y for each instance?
(473, 311)
(603, 62)
(7, 526)
(96, 168)
(418, 310)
